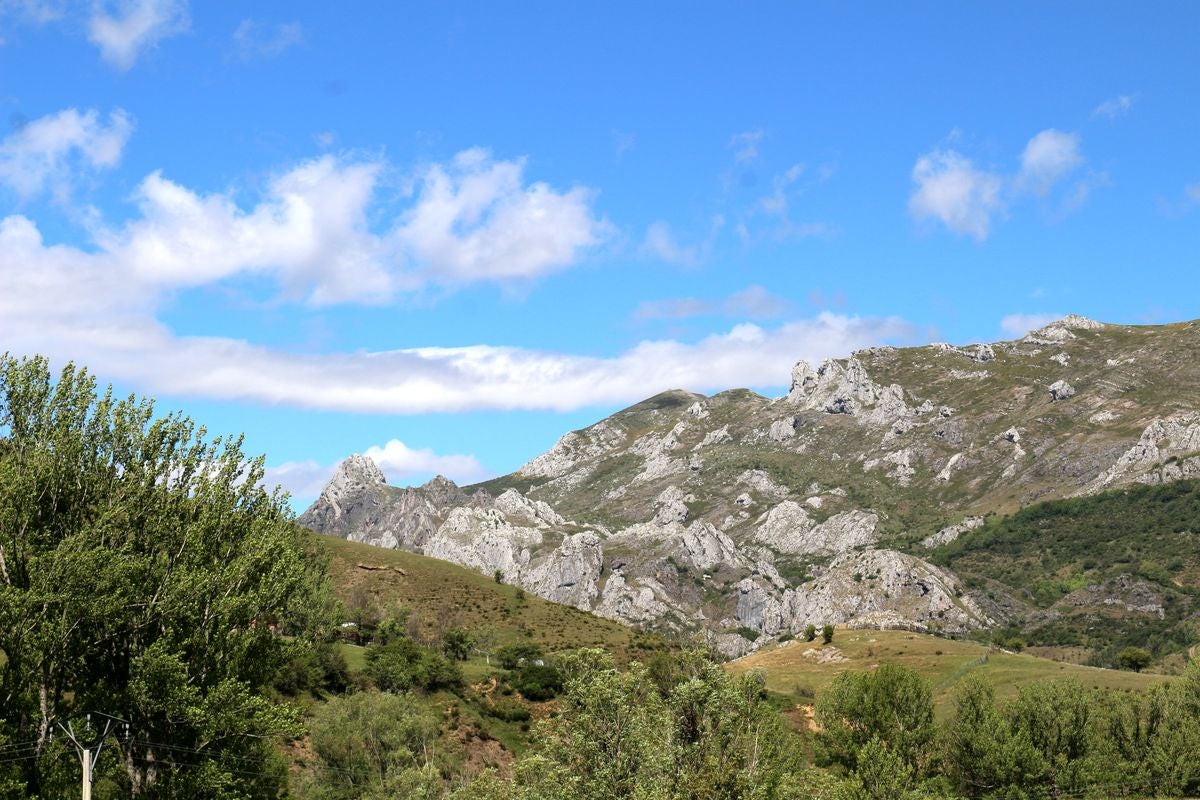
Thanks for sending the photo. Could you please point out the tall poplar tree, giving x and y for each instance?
(145, 573)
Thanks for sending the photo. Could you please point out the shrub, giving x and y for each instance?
(827, 633)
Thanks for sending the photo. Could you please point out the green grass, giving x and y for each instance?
(944, 662)
(440, 595)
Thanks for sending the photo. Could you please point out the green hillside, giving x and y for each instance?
(1100, 573)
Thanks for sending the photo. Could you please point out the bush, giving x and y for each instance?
(403, 665)
(827, 634)
(512, 656)
(810, 632)
(538, 683)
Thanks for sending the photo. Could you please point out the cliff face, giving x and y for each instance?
(739, 513)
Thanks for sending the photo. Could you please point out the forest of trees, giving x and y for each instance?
(146, 577)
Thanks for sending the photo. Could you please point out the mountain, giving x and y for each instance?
(750, 517)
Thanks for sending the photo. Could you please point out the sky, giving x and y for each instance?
(444, 234)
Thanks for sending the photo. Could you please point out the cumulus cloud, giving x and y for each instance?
(135, 26)
(49, 152)
(258, 40)
(1017, 325)
(948, 188)
(1048, 157)
(311, 231)
(475, 218)
(1115, 107)
(400, 463)
(951, 190)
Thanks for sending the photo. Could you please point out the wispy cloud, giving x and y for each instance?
(253, 40)
(134, 26)
(1017, 325)
(753, 302)
(1115, 107)
(745, 145)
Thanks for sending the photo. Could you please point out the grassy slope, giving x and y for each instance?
(944, 662)
(444, 595)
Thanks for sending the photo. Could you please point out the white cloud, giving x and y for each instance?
(1017, 325)
(135, 26)
(311, 232)
(72, 304)
(475, 219)
(1048, 157)
(400, 463)
(745, 145)
(951, 190)
(48, 152)
(1115, 107)
(257, 40)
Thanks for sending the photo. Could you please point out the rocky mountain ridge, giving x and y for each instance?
(751, 517)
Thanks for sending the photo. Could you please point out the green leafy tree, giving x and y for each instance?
(512, 656)
(1134, 658)
(893, 704)
(371, 744)
(827, 633)
(402, 665)
(146, 573)
(456, 644)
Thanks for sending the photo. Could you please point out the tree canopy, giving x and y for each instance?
(145, 573)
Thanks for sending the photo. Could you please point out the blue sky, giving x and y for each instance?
(452, 232)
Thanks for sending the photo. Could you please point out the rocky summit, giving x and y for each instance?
(751, 517)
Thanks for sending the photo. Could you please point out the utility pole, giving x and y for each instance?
(88, 753)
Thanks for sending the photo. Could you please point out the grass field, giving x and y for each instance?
(943, 662)
(440, 596)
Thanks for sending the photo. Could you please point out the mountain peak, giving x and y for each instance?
(357, 470)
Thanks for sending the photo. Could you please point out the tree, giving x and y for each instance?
(810, 632)
(893, 704)
(827, 633)
(456, 644)
(145, 573)
(369, 742)
(1134, 658)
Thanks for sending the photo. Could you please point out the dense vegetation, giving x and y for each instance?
(145, 574)
(1140, 545)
